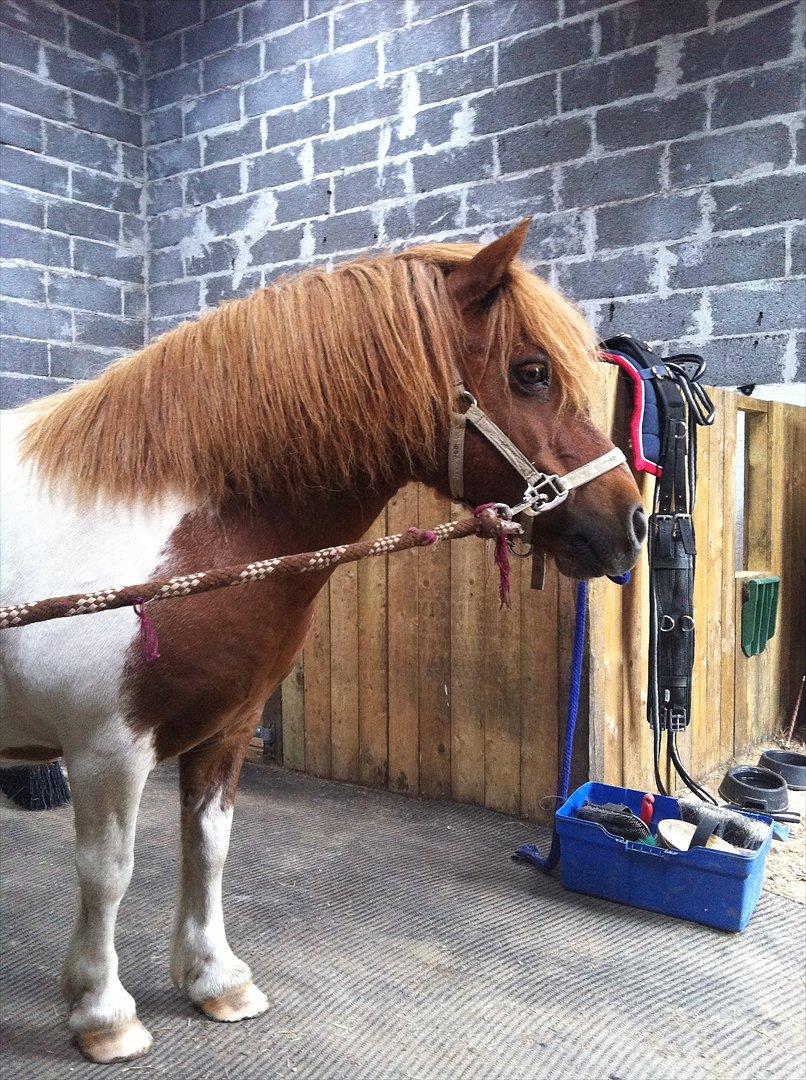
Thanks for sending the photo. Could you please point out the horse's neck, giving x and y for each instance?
(241, 532)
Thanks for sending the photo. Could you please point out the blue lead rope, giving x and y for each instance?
(529, 852)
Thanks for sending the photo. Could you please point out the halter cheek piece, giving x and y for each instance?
(543, 491)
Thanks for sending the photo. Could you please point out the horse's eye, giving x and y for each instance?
(532, 375)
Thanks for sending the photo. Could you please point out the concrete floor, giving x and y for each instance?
(396, 939)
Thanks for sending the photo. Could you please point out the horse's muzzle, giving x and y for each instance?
(593, 547)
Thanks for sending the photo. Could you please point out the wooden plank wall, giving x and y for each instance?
(413, 678)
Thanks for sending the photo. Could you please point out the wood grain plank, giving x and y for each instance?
(727, 408)
(403, 651)
(434, 655)
(710, 623)
(538, 648)
(793, 559)
(609, 405)
(502, 690)
(373, 674)
(344, 672)
(316, 658)
(637, 767)
(293, 712)
(468, 645)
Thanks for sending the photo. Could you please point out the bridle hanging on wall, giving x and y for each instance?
(669, 404)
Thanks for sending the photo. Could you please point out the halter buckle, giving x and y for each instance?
(545, 493)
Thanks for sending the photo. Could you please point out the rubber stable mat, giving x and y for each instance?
(396, 938)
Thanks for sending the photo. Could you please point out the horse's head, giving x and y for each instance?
(526, 353)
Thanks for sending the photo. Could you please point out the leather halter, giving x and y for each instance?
(543, 491)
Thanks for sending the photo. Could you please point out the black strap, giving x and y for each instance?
(683, 405)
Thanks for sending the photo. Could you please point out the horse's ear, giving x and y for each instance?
(472, 283)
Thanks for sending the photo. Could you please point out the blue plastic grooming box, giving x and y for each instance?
(705, 886)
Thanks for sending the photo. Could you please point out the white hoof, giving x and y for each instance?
(240, 1003)
(119, 1043)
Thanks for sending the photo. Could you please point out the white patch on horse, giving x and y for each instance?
(49, 547)
(202, 963)
(60, 687)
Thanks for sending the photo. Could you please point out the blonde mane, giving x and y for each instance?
(320, 381)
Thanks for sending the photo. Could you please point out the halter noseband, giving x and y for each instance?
(543, 491)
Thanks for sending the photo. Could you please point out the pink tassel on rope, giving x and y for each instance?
(149, 643)
(502, 562)
(501, 559)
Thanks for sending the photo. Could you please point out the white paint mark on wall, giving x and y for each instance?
(384, 142)
(462, 123)
(196, 243)
(307, 248)
(464, 30)
(305, 160)
(261, 217)
(669, 71)
(789, 363)
(409, 104)
(703, 319)
(664, 261)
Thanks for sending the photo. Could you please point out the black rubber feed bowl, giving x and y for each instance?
(789, 765)
(755, 789)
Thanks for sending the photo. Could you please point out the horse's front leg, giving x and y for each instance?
(106, 792)
(202, 963)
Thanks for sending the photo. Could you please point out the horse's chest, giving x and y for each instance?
(62, 676)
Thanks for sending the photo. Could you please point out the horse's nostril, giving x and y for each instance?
(639, 524)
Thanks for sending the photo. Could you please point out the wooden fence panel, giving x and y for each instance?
(373, 712)
(468, 668)
(434, 640)
(403, 652)
(414, 677)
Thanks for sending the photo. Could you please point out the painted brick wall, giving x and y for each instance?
(72, 246)
(655, 143)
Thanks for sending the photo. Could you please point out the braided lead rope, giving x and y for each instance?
(485, 524)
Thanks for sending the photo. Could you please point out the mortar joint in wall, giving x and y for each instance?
(556, 187)
(665, 167)
(659, 278)
(789, 361)
(596, 38)
(704, 320)
(464, 30)
(795, 125)
(707, 207)
(589, 219)
(668, 66)
(709, 92)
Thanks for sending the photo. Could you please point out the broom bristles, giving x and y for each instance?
(35, 787)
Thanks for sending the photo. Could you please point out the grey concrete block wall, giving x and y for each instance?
(656, 145)
(72, 228)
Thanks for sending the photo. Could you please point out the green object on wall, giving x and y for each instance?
(759, 613)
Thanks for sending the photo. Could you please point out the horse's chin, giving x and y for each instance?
(584, 565)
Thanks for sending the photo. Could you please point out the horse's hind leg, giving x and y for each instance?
(106, 790)
(202, 963)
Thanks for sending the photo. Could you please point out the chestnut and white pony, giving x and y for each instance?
(277, 424)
